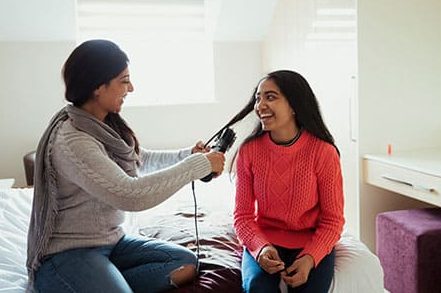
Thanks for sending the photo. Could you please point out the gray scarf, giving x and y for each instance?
(44, 206)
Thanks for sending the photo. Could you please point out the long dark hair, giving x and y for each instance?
(302, 100)
(90, 65)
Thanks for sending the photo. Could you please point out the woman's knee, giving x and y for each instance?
(188, 268)
(183, 274)
(188, 258)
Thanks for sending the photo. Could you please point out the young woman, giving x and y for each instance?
(89, 170)
(289, 198)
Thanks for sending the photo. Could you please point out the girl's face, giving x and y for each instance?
(110, 97)
(273, 109)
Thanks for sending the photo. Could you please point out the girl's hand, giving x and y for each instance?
(269, 260)
(297, 274)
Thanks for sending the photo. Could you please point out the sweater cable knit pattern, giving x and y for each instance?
(94, 192)
(289, 196)
(88, 179)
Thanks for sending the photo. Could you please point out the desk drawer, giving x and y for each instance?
(411, 183)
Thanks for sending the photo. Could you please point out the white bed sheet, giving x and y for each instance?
(15, 208)
(356, 268)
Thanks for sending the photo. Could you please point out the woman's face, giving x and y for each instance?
(110, 97)
(273, 109)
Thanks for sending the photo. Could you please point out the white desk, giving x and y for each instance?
(415, 174)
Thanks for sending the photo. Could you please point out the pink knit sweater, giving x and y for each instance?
(289, 196)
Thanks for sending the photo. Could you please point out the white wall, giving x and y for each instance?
(35, 38)
(399, 89)
(37, 20)
(237, 69)
(326, 57)
(32, 88)
(31, 91)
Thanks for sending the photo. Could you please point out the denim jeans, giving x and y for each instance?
(132, 265)
(256, 280)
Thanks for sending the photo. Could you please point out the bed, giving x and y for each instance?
(356, 268)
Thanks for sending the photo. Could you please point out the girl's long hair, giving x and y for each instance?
(302, 100)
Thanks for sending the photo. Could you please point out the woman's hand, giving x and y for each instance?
(297, 274)
(199, 148)
(269, 260)
(217, 161)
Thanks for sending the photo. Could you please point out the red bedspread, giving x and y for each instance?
(220, 251)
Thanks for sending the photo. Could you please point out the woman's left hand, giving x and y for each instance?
(199, 148)
(297, 274)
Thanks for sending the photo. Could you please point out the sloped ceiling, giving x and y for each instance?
(230, 20)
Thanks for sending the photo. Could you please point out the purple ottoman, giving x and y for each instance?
(409, 249)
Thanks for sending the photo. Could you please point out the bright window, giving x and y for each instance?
(167, 41)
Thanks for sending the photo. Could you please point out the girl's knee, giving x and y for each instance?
(260, 282)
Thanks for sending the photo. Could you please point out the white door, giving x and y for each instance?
(318, 40)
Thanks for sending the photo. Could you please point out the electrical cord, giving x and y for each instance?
(196, 231)
(195, 201)
(196, 210)
(217, 134)
(196, 223)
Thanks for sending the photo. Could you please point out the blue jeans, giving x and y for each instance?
(255, 279)
(132, 265)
